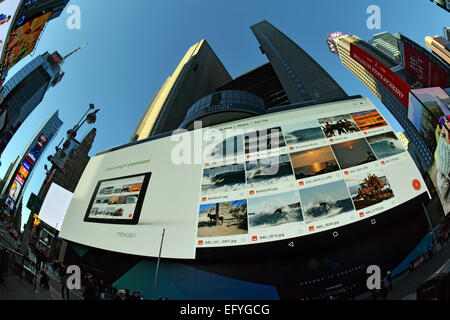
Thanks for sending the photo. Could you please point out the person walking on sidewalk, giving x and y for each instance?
(64, 288)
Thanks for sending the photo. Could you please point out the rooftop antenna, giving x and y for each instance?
(74, 51)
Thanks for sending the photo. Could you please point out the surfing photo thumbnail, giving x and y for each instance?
(274, 210)
(269, 171)
(325, 201)
(302, 132)
(313, 162)
(223, 219)
(386, 145)
(338, 125)
(367, 120)
(223, 179)
(353, 153)
(369, 189)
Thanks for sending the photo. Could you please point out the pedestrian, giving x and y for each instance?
(64, 288)
(120, 295)
(91, 289)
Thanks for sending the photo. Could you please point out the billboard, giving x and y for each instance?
(387, 77)
(272, 177)
(23, 40)
(429, 73)
(8, 9)
(426, 106)
(331, 43)
(55, 206)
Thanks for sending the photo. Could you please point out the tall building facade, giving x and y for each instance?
(393, 94)
(77, 161)
(15, 186)
(388, 44)
(25, 91)
(199, 84)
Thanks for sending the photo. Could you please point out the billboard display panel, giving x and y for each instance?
(422, 68)
(389, 79)
(313, 169)
(426, 106)
(55, 206)
(23, 40)
(8, 9)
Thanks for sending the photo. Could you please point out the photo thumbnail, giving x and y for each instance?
(264, 140)
(338, 125)
(269, 171)
(313, 162)
(369, 189)
(302, 132)
(226, 178)
(353, 153)
(367, 120)
(230, 147)
(223, 219)
(274, 210)
(386, 145)
(325, 201)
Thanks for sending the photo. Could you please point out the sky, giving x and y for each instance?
(134, 45)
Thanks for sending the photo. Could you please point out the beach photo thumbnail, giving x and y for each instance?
(302, 132)
(264, 140)
(269, 171)
(274, 210)
(313, 162)
(353, 153)
(225, 178)
(222, 219)
(338, 125)
(369, 189)
(367, 120)
(385, 145)
(325, 201)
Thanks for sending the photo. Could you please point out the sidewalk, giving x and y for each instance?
(405, 285)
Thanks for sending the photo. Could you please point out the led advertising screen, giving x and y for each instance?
(8, 9)
(391, 80)
(23, 40)
(426, 106)
(422, 68)
(55, 206)
(15, 190)
(312, 170)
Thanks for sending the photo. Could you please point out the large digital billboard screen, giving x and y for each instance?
(55, 206)
(426, 106)
(8, 9)
(23, 40)
(278, 176)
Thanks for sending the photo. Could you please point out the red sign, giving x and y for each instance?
(387, 77)
(424, 70)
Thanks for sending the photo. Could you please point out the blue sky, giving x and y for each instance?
(135, 45)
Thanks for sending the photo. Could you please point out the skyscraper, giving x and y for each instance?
(25, 91)
(388, 44)
(15, 186)
(368, 63)
(195, 89)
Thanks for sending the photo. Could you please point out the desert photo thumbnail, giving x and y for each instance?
(222, 219)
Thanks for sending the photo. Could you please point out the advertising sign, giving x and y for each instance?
(8, 9)
(422, 68)
(23, 40)
(426, 106)
(272, 177)
(331, 43)
(387, 77)
(55, 206)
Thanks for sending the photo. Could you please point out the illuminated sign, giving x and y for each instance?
(23, 172)
(331, 42)
(23, 40)
(314, 169)
(8, 10)
(387, 77)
